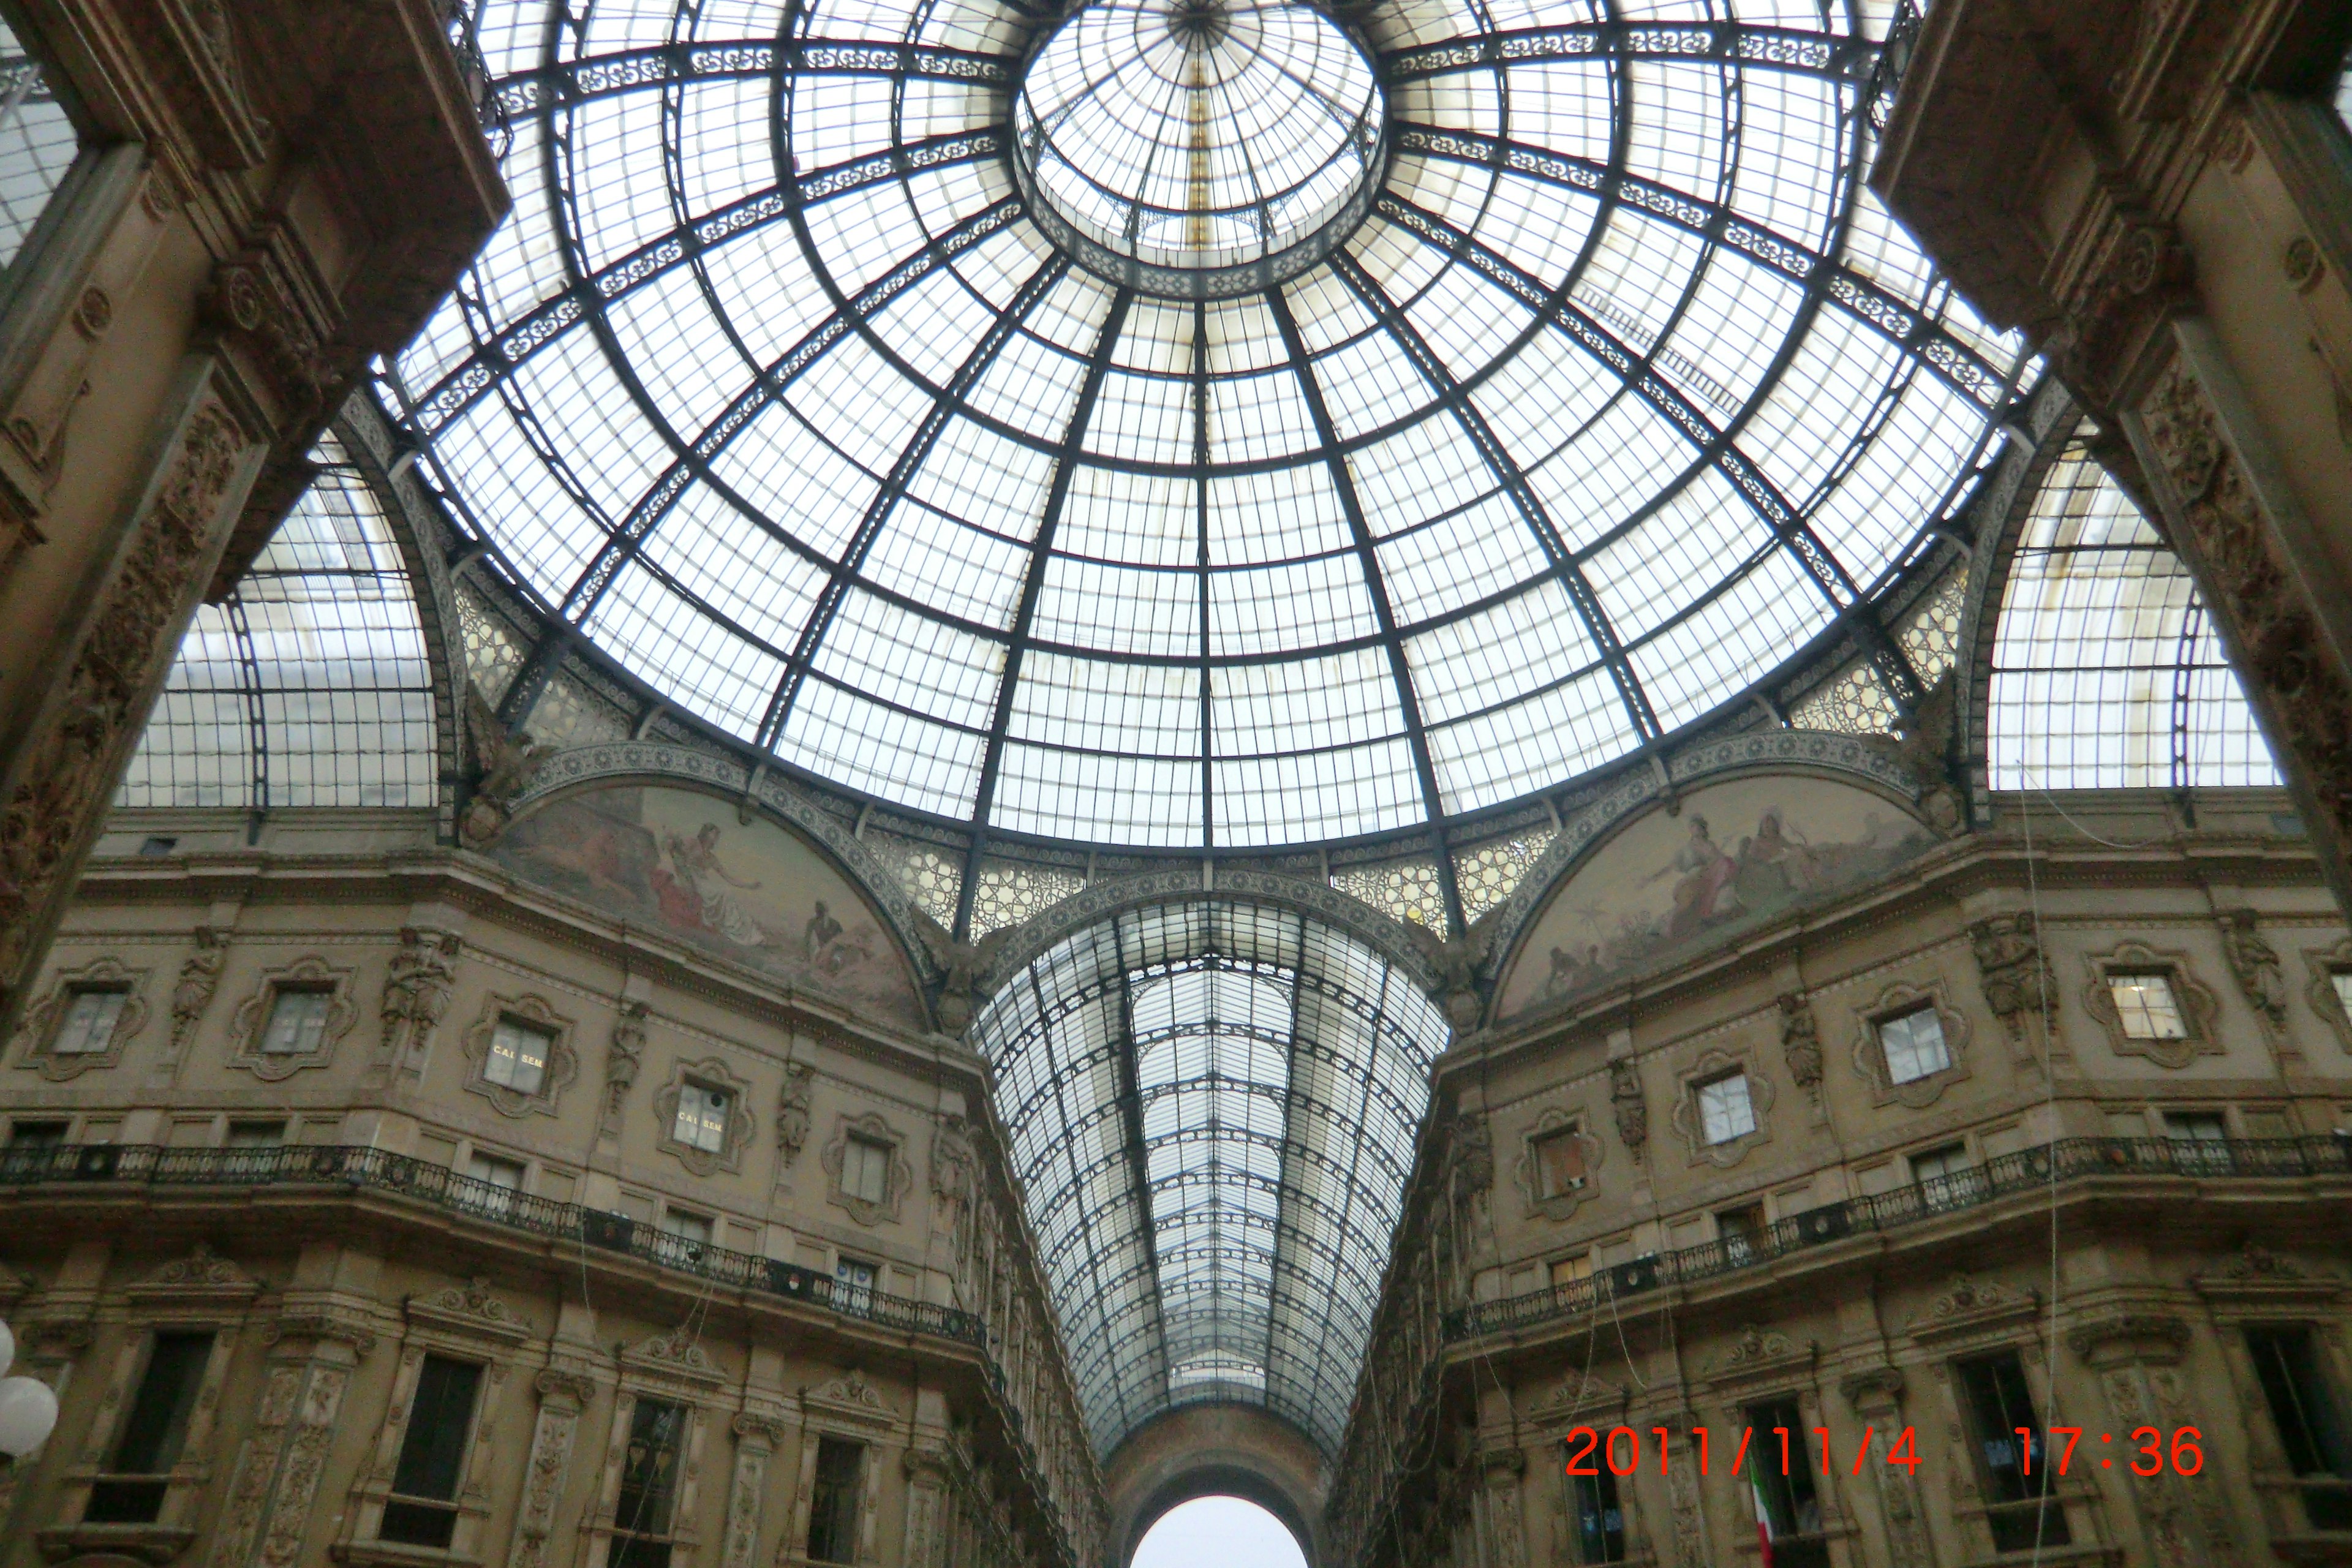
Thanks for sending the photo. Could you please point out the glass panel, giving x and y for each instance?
(866, 1170)
(298, 1023)
(2008, 1441)
(649, 1469)
(256, 1134)
(154, 1431)
(517, 1055)
(1724, 1112)
(89, 1024)
(440, 1418)
(834, 1509)
(701, 1118)
(1559, 1161)
(1914, 1045)
(38, 142)
(2145, 1005)
(1599, 1518)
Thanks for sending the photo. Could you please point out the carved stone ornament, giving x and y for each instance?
(677, 1352)
(416, 993)
(201, 1275)
(200, 976)
(2255, 964)
(1715, 1063)
(1800, 1043)
(250, 1024)
(1870, 1060)
(2196, 1003)
(623, 1056)
(2261, 1279)
(1579, 1393)
(849, 1396)
(1761, 1354)
(468, 1309)
(2128, 1338)
(1631, 1111)
(319, 1323)
(955, 1165)
(2245, 580)
(1969, 1306)
(1527, 1170)
(2324, 963)
(504, 765)
(67, 767)
(562, 1061)
(965, 970)
(710, 1072)
(44, 1024)
(2018, 982)
(792, 1111)
(1472, 1156)
(899, 1176)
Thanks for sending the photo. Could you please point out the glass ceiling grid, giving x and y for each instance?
(1615, 396)
(1212, 1109)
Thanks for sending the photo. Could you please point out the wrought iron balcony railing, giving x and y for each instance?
(2028, 1170)
(380, 1171)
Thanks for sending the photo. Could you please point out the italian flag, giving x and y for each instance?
(1763, 1519)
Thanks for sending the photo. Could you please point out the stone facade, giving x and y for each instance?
(1870, 1242)
(333, 1227)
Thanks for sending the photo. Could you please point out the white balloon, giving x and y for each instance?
(29, 1414)
(7, 1348)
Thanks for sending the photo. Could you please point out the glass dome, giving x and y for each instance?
(1444, 400)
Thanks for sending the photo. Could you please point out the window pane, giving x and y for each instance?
(1571, 1270)
(1914, 1045)
(297, 1022)
(865, 1170)
(1599, 1518)
(157, 1422)
(256, 1134)
(1791, 1499)
(2145, 1003)
(832, 1512)
(701, 1118)
(37, 143)
(518, 1056)
(2342, 980)
(1559, 1161)
(88, 1026)
(1998, 1403)
(497, 1172)
(649, 1469)
(1724, 1109)
(431, 1450)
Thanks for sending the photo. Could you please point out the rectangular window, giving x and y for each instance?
(517, 1057)
(1559, 1161)
(853, 1283)
(1724, 1112)
(701, 1118)
(2201, 1141)
(1576, 1270)
(649, 1466)
(133, 1492)
(2145, 1005)
(256, 1134)
(25, 1134)
(1944, 1175)
(504, 1178)
(692, 1231)
(87, 1027)
(298, 1023)
(1741, 1231)
(2302, 1398)
(422, 1510)
(1914, 1044)
(2017, 1480)
(1791, 1502)
(866, 1170)
(1600, 1517)
(833, 1512)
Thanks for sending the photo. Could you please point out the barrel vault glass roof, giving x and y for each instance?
(1213, 1108)
(1614, 391)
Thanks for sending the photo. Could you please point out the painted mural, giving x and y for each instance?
(1738, 855)
(680, 864)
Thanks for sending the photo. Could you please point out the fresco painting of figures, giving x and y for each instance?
(1736, 855)
(679, 863)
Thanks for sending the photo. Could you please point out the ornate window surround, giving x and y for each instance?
(464, 1322)
(562, 1061)
(2327, 963)
(670, 1366)
(1870, 1051)
(44, 1020)
(873, 1129)
(851, 1409)
(202, 1292)
(1714, 1062)
(1577, 1121)
(252, 1016)
(710, 1072)
(2197, 1003)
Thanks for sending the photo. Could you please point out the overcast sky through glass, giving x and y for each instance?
(1218, 1533)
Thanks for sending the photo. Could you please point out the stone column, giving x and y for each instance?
(756, 1437)
(274, 1481)
(2153, 191)
(563, 1393)
(270, 192)
(1876, 1396)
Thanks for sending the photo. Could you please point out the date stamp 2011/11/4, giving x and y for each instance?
(2150, 1450)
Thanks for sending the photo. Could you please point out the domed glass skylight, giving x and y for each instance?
(1462, 458)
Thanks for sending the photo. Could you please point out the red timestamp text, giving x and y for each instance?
(2144, 1451)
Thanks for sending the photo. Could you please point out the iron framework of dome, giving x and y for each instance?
(1621, 395)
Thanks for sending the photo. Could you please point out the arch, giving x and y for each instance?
(676, 856)
(1216, 1451)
